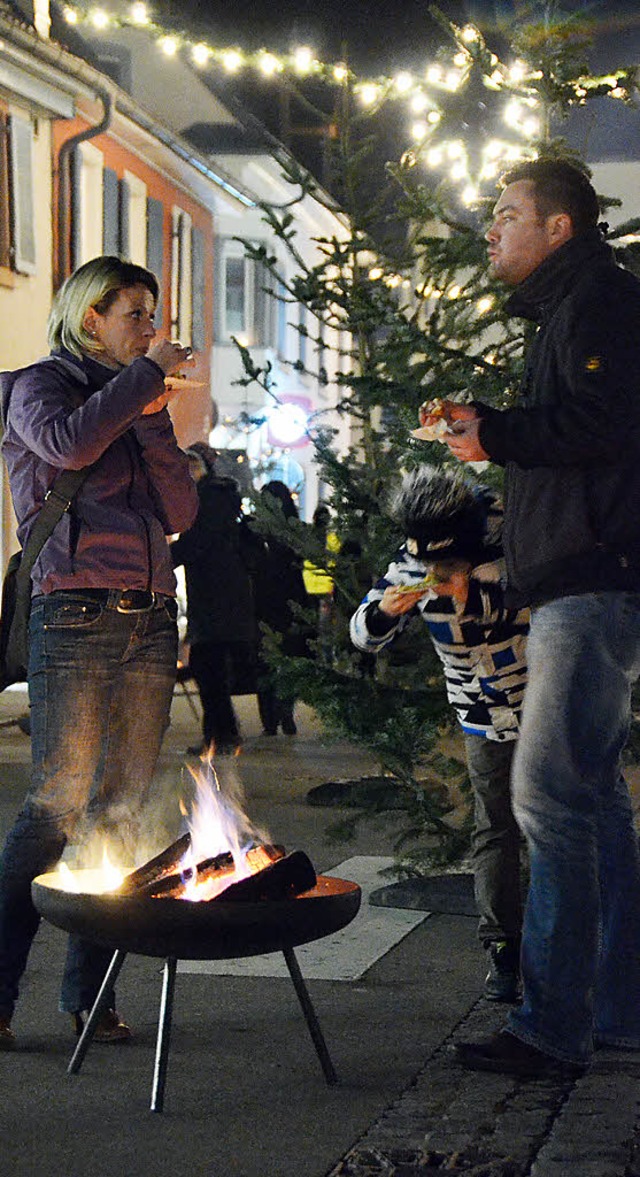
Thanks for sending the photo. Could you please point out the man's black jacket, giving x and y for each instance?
(572, 446)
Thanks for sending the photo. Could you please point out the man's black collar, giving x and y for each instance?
(537, 297)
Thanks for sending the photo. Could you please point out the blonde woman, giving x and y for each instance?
(103, 635)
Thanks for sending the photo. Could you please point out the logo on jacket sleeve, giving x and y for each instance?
(593, 364)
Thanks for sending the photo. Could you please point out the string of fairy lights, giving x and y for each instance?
(424, 93)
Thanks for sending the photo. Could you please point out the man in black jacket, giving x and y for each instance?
(572, 544)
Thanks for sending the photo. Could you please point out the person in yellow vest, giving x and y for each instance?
(318, 580)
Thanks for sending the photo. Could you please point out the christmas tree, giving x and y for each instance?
(410, 292)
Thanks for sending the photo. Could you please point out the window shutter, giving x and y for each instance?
(218, 292)
(123, 219)
(75, 165)
(302, 334)
(23, 199)
(198, 336)
(5, 190)
(155, 248)
(263, 305)
(110, 213)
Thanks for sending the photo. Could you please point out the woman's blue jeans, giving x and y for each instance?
(581, 935)
(100, 687)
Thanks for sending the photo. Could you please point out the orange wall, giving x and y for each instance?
(191, 410)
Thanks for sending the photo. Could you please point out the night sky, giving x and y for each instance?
(376, 35)
(383, 38)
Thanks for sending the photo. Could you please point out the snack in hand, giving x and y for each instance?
(419, 586)
(433, 424)
(176, 382)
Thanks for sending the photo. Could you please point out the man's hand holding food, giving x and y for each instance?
(456, 425)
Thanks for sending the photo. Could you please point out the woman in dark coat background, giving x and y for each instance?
(278, 582)
(221, 625)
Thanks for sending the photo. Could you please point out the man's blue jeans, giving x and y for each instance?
(100, 686)
(581, 936)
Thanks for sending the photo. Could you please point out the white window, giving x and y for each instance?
(136, 197)
(88, 225)
(235, 299)
(23, 244)
(244, 306)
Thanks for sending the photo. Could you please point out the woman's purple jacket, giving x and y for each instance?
(64, 413)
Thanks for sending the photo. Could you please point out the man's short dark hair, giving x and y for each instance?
(558, 186)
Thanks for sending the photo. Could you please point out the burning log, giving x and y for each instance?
(156, 868)
(291, 875)
(172, 886)
(153, 878)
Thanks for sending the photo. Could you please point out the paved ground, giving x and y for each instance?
(245, 1093)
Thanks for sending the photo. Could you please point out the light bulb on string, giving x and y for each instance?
(232, 60)
(517, 72)
(419, 102)
(169, 46)
(99, 19)
(403, 82)
(139, 14)
(368, 93)
(200, 54)
(303, 60)
(269, 64)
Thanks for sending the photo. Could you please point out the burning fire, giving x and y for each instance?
(218, 825)
(99, 881)
(223, 847)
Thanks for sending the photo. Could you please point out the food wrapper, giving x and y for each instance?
(435, 432)
(419, 586)
(176, 382)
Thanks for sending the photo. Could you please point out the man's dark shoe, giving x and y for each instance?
(502, 982)
(7, 1036)
(508, 1055)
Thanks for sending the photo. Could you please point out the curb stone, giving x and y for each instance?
(488, 1125)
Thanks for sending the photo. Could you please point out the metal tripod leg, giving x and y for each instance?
(164, 1034)
(310, 1016)
(99, 1005)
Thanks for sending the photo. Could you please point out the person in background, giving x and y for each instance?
(453, 540)
(221, 625)
(571, 448)
(318, 580)
(278, 583)
(103, 636)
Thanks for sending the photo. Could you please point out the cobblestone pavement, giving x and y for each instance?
(483, 1125)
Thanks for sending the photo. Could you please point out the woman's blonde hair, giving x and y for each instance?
(95, 284)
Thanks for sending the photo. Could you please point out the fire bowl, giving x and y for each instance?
(191, 930)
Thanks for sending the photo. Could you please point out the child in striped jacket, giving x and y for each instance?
(448, 571)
